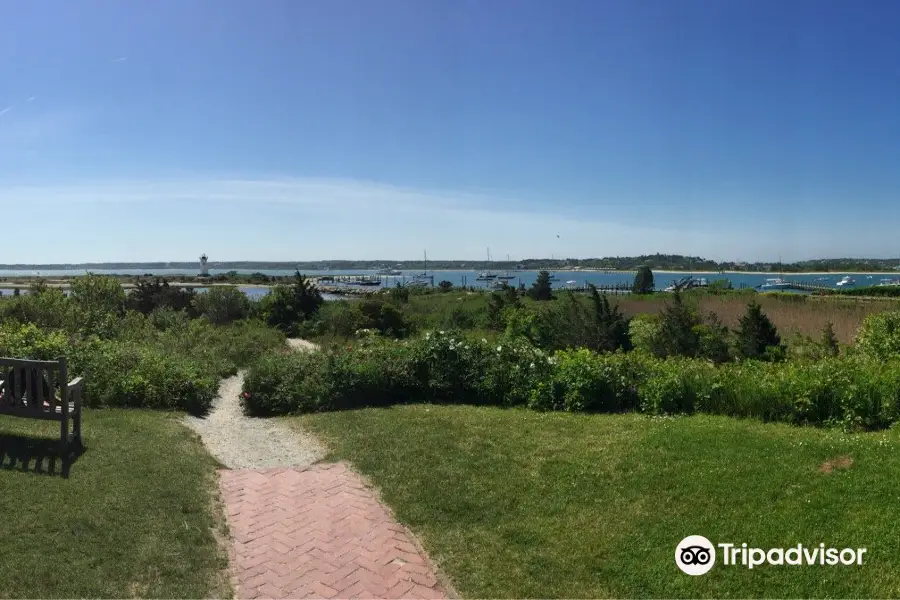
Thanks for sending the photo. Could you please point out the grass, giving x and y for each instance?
(135, 517)
(513, 503)
(802, 314)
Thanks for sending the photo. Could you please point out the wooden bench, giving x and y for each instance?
(39, 389)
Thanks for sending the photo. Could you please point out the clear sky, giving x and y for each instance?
(334, 129)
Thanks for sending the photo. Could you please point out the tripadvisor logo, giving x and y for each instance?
(696, 555)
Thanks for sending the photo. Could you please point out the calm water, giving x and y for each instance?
(661, 278)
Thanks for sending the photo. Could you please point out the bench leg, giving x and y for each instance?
(76, 427)
(64, 439)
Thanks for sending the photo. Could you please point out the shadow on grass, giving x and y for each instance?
(36, 455)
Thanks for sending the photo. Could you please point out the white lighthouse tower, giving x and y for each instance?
(204, 270)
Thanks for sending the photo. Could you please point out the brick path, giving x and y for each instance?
(318, 533)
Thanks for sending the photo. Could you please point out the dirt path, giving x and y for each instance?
(241, 442)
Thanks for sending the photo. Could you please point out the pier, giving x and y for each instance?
(801, 286)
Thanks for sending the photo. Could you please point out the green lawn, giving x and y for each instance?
(513, 503)
(134, 518)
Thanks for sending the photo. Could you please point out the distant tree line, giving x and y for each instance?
(656, 262)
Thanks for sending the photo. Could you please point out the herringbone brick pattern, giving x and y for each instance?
(318, 533)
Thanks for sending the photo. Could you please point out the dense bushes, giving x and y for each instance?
(345, 319)
(879, 336)
(165, 360)
(222, 305)
(144, 376)
(155, 295)
(286, 307)
(857, 391)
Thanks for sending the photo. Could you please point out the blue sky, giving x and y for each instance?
(303, 130)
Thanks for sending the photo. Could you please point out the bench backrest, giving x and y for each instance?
(33, 386)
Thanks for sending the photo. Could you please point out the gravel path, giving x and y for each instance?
(241, 442)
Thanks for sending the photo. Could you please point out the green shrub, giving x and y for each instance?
(879, 336)
(677, 385)
(644, 332)
(287, 306)
(338, 378)
(43, 306)
(280, 383)
(95, 302)
(447, 365)
(857, 392)
(148, 296)
(611, 325)
(384, 317)
(399, 294)
(643, 281)
(678, 334)
(829, 342)
(756, 336)
(29, 341)
(588, 381)
(541, 290)
(510, 368)
(165, 319)
(121, 374)
(222, 305)
(335, 319)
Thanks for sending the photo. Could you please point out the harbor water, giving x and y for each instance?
(662, 279)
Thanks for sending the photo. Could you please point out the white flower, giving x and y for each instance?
(484, 340)
(532, 365)
(441, 332)
(499, 348)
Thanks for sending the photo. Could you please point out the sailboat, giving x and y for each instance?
(506, 276)
(487, 275)
(422, 279)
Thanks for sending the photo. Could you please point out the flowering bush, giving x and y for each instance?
(447, 366)
(509, 370)
(857, 392)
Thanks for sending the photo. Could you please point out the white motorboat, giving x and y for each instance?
(776, 283)
(846, 281)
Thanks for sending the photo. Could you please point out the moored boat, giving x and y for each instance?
(775, 283)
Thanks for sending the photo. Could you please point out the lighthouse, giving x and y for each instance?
(204, 270)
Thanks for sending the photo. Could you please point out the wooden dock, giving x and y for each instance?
(802, 286)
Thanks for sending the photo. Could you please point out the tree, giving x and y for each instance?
(612, 326)
(286, 306)
(507, 297)
(400, 294)
(148, 296)
(96, 302)
(385, 317)
(756, 334)
(830, 345)
(643, 281)
(678, 331)
(445, 286)
(223, 304)
(541, 288)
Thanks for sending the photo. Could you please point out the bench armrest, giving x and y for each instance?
(74, 389)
